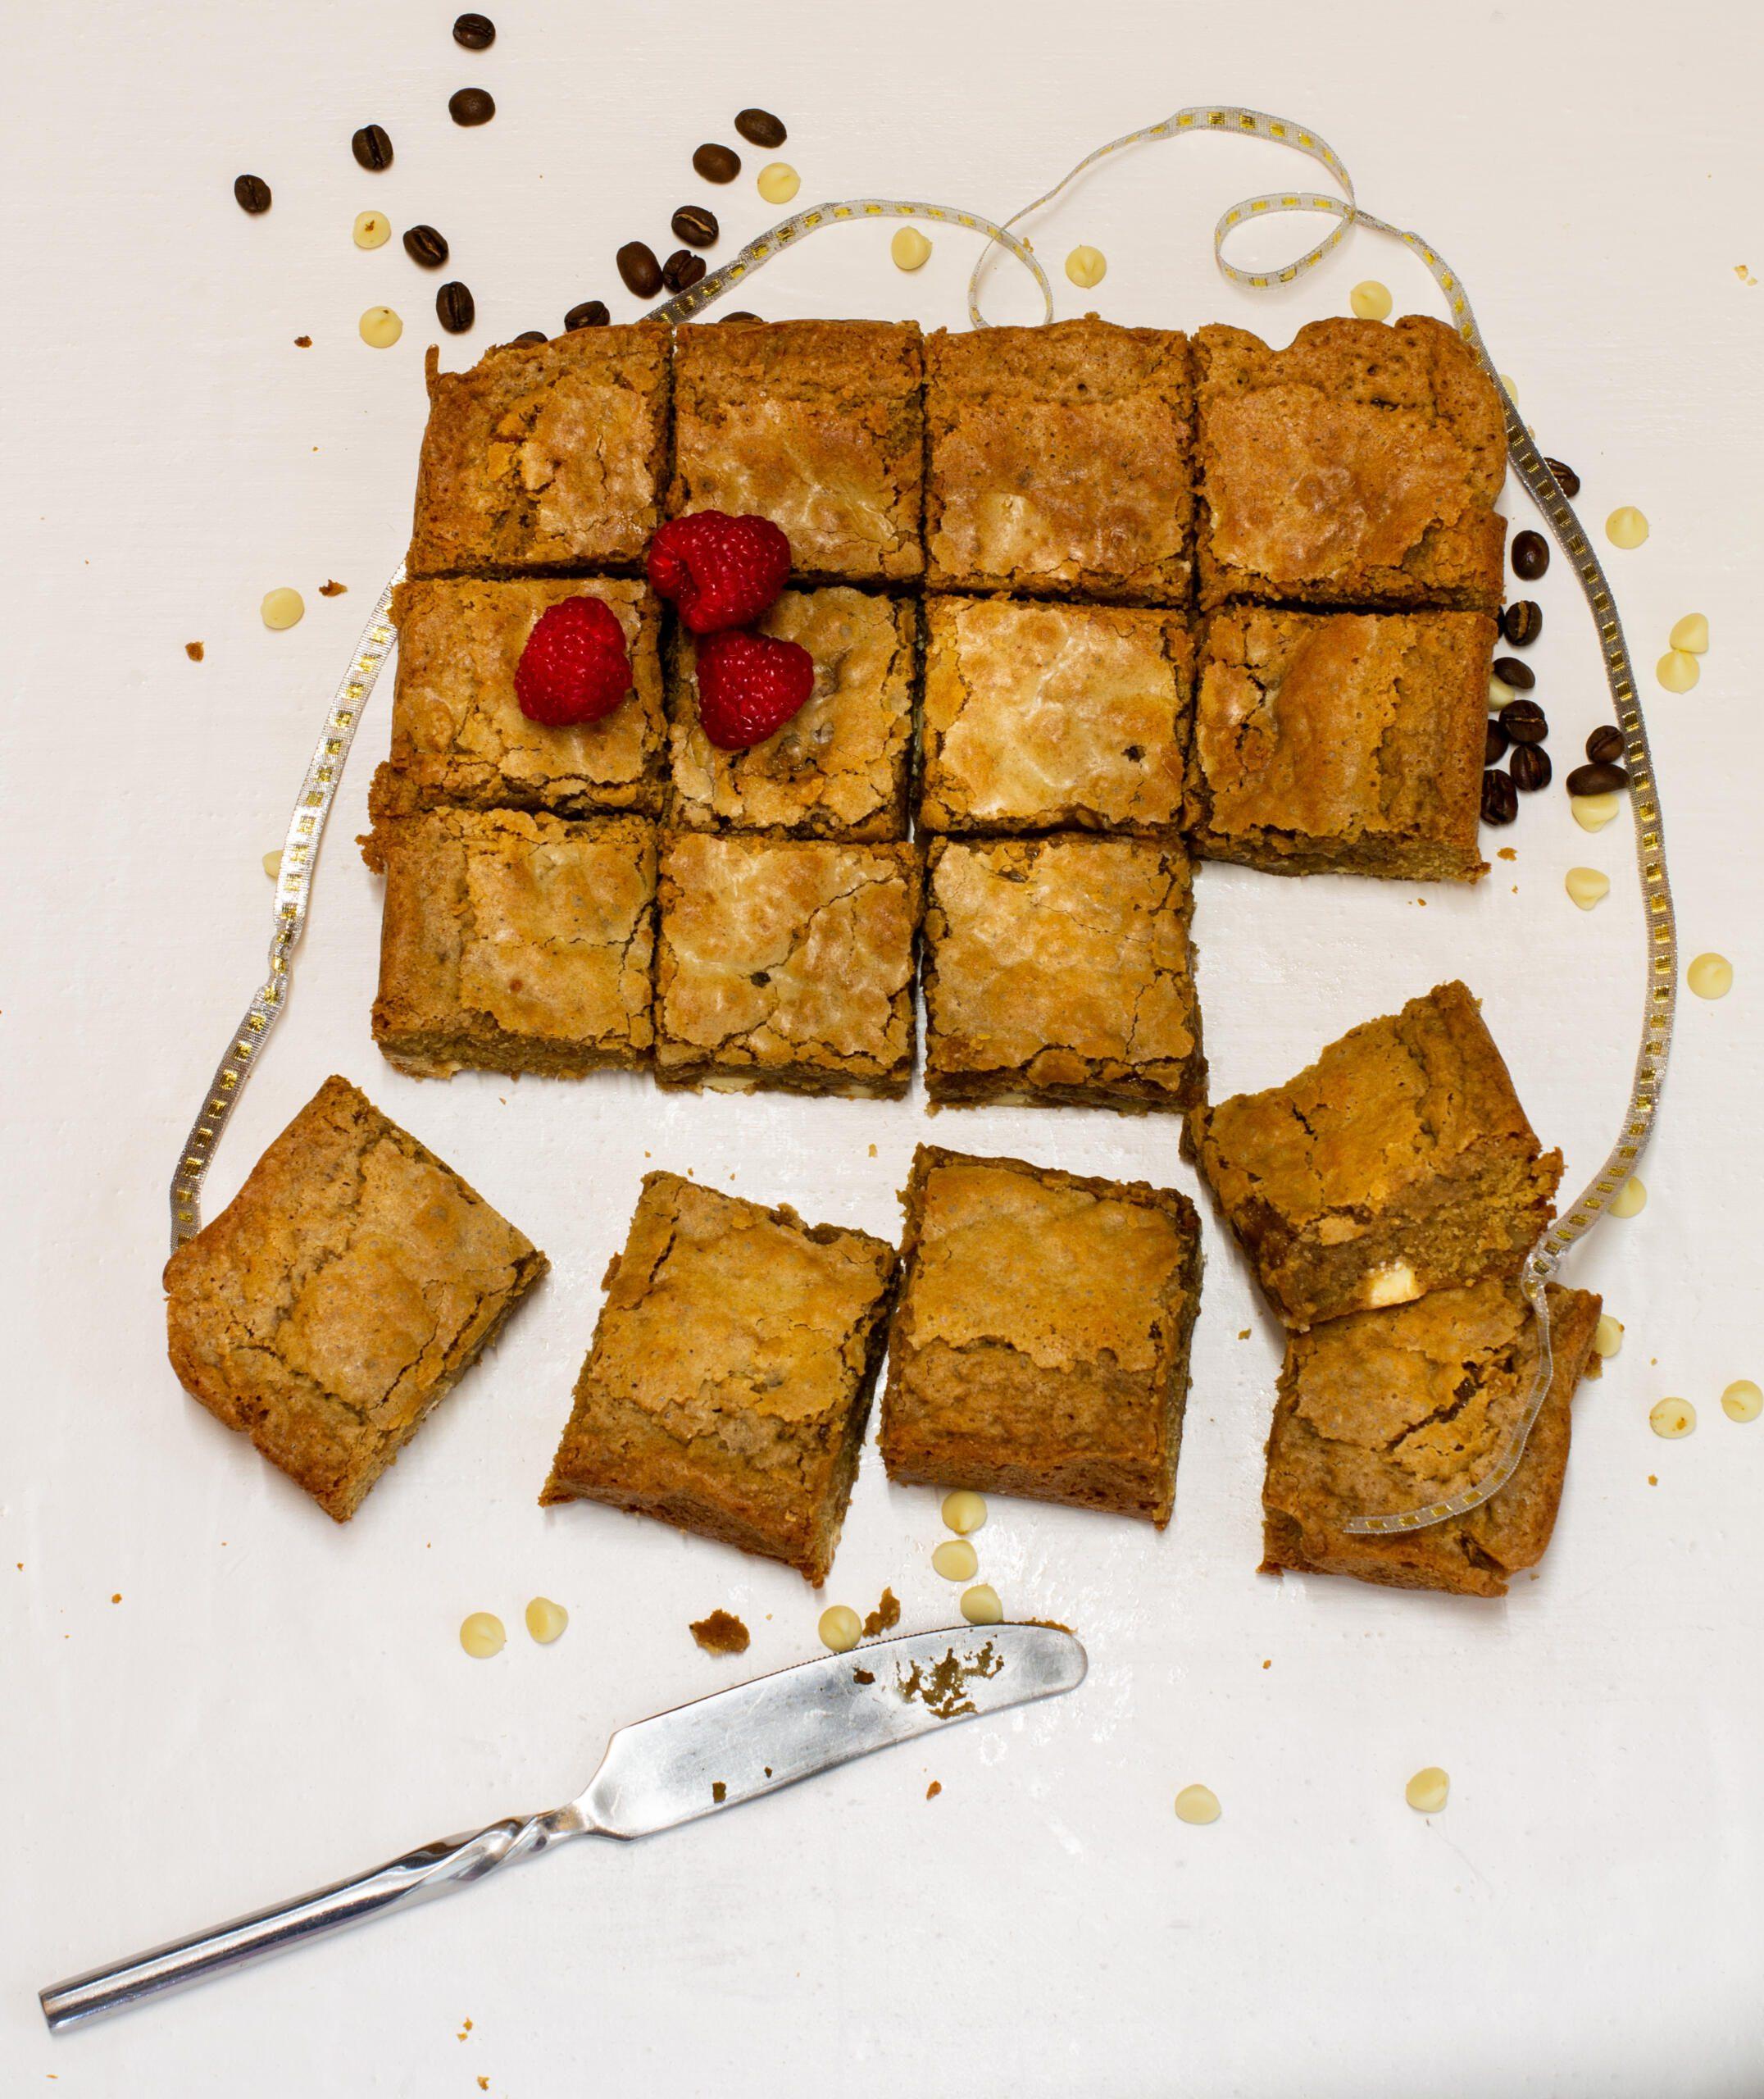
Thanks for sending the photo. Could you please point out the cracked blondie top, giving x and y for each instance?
(818, 426)
(514, 942)
(839, 768)
(788, 963)
(1040, 1345)
(1358, 466)
(1058, 970)
(1385, 1411)
(729, 1383)
(1343, 742)
(458, 735)
(1051, 717)
(339, 1295)
(1399, 1163)
(544, 455)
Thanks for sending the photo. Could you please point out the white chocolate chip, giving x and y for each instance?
(779, 182)
(481, 1634)
(1672, 1418)
(1594, 812)
(955, 1560)
(1427, 1790)
(841, 1628)
(1087, 267)
(1608, 1336)
(1691, 634)
(372, 228)
(964, 1510)
(1394, 1283)
(283, 609)
(1587, 886)
(910, 249)
(1711, 977)
(1678, 669)
(380, 327)
(1196, 1804)
(1371, 301)
(1510, 384)
(1742, 1400)
(1631, 1198)
(1499, 692)
(1627, 526)
(272, 864)
(546, 1620)
(980, 1605)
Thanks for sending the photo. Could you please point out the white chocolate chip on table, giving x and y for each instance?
(482, 1636)
(841, 1628)
(372, 228)
(910, 249)
(980, 1605)
(1672, 1418)
(1594, 812)
(965, 1511)
(1499, 692)
(380, 327)
(778, 182)
(955, 1560)
(1710, 975)
(1625, 526)
(1197, 1805)
(1631, 1198)
(1677, 670)
(1087, 267)
(1587, 886)
(1742, 1400)
(283, 609)
(1370, 301)
(1691, 634)
(1608, 1336)
(1428, 1790)
(546, 1620)
(272, 864)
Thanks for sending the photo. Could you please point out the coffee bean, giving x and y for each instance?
(682, 270)
(253, 192)
(1597, 779)
(695, 225)
(759, 127)
(638, 267)
(740, 313)
(1570, 480)
(1605, 745)
(1531, 767)
(475, 32)
(424, 245)
(372, 147)
(470, 106)
(591, 313)
(1510, 672)
(1524, 721)
(1522, 622)
(455, 309)
(532, 335)
(717, 163)
(1500, 798)
(1530, 555)
(1495, 743)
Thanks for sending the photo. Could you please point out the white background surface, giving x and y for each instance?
(274, 1701)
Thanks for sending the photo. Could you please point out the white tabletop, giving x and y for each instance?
(212, 1697)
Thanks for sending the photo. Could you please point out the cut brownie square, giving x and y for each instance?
(514, 942)
(1060, 460)
(729, 1380)
(339, 1295)
(1343, 742)
(1040, 1346)
(1052, 717)
(837, 769)
(786, 963)
(458, 735)
(1058, 972)
(1359, 467)
(1399, 1163)
(1384, 1412)
(544, 455)
(818, 426)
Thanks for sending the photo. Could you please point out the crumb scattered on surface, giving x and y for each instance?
(863, 1676)
(1267, 1665)
(719, 1791)
(304, 343)
(195, 651)
(1654, 1479)
(872, 1151)
(1243, 1333)
(332, 589)
(1744, 274)
(721, 1633)
(1506, 853)
(483, 2084)
(464, 2030)
(943, 1688)
(885, 1617)
(117, 1597)
(933, 1789)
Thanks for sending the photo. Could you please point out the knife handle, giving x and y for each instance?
(431, 1869)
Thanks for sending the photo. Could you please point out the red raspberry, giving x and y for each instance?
(749, 685)
(721, 571)
(575, 666)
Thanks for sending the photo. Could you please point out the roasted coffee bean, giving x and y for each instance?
(591, 313)
(532, 335)
(759, 127)
(639, 269)
(455, 309)
(253, 192)
(424, 245)
(682, 269)
(372, 147)
(740, 313)
(1530, 555)
(1495, 743)
(1570, 480)
(1531, 767)
(716, 163)
(1522, 622)
(1597, 778)
(469, 105)
(475, 32)
(1605, 745)
(1523, 720)
(1510, 672)
(1500, 798)
(693, 224)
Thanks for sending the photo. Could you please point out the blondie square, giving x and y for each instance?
(1387, 1411)
(1359, 467)
(514, 942)
(1058, 972)
(1059, 460)
(458, 735)
(544, 456)
(1399, 1163)
(1350, 743)
(818, 426)
(1052, 717)
(839, 768)
(1040, 1346)
(339, 1295)
(786, 963)
(729, 1380)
